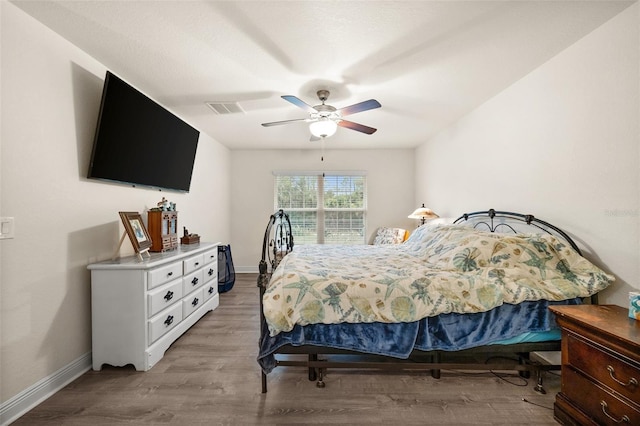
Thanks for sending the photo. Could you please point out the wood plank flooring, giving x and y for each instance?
(210, 377)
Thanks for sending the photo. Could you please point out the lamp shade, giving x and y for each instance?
(423, 213)
(323, 128)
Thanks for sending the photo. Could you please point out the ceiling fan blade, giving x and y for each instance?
(314, 138)
(359, 107)
(277, 123)
(356, 126)
(299, 103)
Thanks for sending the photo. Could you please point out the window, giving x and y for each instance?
(324, 208)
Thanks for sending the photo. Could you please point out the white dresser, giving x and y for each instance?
(139, 308)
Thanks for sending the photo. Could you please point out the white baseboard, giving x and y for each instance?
(246, 269)
(17, 406)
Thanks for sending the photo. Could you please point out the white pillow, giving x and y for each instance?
(389, 236)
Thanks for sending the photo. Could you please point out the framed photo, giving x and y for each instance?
(133, 225)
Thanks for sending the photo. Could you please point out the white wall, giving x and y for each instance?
(50, 98)
(390, 190)
(563, 144)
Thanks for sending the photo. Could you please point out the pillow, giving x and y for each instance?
(423, 233)
(389, 236)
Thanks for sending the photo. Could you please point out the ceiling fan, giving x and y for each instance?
(324, 118)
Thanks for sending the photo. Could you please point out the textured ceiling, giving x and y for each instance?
(427, 62)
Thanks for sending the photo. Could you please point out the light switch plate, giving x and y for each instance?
(7, 228)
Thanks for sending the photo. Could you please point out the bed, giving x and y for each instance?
(453, 296)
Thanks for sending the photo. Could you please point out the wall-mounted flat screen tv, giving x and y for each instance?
(140, 143)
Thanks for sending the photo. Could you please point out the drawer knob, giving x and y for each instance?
(195, 302)
(169, 274)
(169, 320)
(194, 281)
(623, 419)
(168, 296)
(211, 290)
(197, 263)
(210, 271)
(632, 381)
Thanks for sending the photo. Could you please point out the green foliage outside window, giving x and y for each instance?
(329, 209)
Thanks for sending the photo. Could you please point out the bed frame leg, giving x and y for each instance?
(435, 373)
(264, 382)
(313, 374)
(539, 388)
(316, 373)
(523, 359)
(320, 382)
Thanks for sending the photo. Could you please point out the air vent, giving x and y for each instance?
(222, 108)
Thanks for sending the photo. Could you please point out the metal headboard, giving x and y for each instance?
(494, 223)
(277, 242)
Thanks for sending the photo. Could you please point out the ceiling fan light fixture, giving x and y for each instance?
(323, 128)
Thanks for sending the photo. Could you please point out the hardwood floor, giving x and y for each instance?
(210, 376)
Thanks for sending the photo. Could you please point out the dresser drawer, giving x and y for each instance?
(163, 274)
(210, 273)
(210, 289)
(164, 296)
(192, 302)
(164, 321)
(602, 406)
(192, 281)
(604, 367)
(193, 263)
(211, 256)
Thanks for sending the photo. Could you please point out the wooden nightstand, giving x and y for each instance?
(600, 366)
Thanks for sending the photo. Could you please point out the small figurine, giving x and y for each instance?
(164, 204)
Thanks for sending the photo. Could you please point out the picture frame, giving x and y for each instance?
(137, 232)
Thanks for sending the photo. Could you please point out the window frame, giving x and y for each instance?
(320, 209)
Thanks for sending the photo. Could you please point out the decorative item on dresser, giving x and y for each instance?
(139, 308)
(600, 366)
(163, 226)
(189, 238)
(138, 234)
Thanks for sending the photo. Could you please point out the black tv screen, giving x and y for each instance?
(138, 142)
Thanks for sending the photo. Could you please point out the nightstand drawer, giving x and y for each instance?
(605, 368)
(603, 407)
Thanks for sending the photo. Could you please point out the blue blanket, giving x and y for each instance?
(448, 332)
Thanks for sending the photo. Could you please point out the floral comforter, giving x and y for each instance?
(439, 269)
